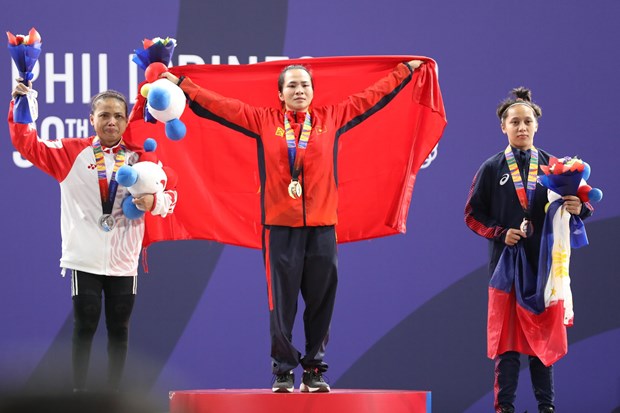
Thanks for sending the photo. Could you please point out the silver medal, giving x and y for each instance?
(107, 222)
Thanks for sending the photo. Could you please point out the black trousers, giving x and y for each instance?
(300, 260)
(86, 290)
(507, 367)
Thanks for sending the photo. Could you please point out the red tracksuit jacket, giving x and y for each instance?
(319, 202)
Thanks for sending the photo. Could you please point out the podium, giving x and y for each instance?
(264, 401)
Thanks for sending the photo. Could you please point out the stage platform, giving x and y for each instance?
(264, 401)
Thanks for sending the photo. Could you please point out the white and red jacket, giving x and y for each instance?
(85, 246)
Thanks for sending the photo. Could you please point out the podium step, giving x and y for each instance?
(264, 401)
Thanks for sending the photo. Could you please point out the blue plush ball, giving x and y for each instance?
(148, 116)
(595, 195)
(150, 145)
(586, 171)
(159, 98)
(130, 210)
(126, 176)
(175, 129)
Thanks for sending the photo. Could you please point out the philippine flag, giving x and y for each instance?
(529, 311)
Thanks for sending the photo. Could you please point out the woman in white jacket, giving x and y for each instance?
(100, 246)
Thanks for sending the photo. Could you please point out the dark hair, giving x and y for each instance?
(291, 67)
(521, 95)
(107, 94)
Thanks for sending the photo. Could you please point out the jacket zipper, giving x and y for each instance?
(303, 199)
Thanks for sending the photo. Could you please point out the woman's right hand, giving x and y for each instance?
(21, 89)
(170, 77)
(514, 235)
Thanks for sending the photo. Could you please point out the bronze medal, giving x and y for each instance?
(527, 227)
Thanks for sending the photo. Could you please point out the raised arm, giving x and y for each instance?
(52, 157)
(226, 111)
(358, 107)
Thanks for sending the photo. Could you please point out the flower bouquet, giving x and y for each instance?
(24, 50)
(568, 176)
(156, 50)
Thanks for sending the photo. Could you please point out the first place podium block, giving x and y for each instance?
(264, 401)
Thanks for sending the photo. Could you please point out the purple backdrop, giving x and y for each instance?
(411, 309)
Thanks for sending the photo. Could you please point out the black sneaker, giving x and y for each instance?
(547, 409)
(506, 409)
(312, 382)
(284, 383)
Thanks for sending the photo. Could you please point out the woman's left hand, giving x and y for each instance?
(145, 202)
(414, 64)
(572, 204)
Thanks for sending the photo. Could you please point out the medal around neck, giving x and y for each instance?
(294, 189)
(107, 222)
(527, 227)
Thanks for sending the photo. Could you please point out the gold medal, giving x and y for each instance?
(294, 189)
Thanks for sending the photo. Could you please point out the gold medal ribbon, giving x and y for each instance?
(297, 152)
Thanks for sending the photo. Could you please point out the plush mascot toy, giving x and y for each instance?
(147, 176)
(165, 100)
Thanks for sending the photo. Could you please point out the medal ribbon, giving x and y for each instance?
(107, 191)
(297, 153)
(525, 199)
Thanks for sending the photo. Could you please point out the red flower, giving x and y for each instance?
(33, 37)
(147, 43)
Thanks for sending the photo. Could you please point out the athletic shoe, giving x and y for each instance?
(284, 383)
(312, 382)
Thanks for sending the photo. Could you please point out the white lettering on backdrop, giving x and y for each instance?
(59, 75)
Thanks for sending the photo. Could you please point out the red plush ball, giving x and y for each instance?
(583, 193)
(153, 71)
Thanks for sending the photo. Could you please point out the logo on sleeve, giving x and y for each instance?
(279, 131)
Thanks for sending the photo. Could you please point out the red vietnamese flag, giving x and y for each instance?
(378, 161)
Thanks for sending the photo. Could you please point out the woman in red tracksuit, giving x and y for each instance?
(297, 154)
